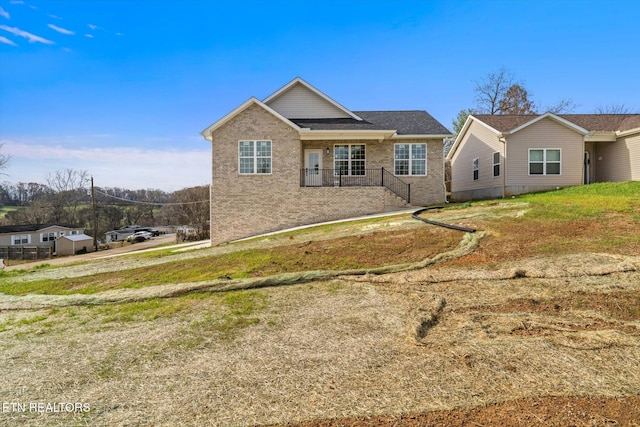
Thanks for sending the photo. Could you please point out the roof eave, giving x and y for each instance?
(207, 133)
(316, 135)
(627, 132)
(423, 136)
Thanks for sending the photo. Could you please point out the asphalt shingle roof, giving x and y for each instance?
(413, 122)
(590, 122)
(31, 227)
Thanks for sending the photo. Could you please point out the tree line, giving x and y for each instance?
(66, 198)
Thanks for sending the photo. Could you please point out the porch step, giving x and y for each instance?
(392, 200)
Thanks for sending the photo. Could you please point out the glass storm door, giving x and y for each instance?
(312, 168)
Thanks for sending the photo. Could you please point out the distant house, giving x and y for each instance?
(36, 240)
(299, 157)
(121, 234)
(502, 155)
(35, 234)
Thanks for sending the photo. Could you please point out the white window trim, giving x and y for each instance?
(544, 162)
(475, 167)
(49, 236)
(410, 159)
(256, 157)
(13, 238)
(499, 164)
(349, 160)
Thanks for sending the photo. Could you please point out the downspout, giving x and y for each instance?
(444, 171)
(502, 139)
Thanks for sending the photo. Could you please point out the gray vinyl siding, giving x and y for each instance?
(300, 103)
(618, 161)
(550, 135)
(478, 142)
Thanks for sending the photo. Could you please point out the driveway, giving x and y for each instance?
(156, 243)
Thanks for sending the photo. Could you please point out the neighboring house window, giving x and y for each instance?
(410, 159)
(21, 239)
(75, 232)
(349, 159)
(544, 161)
(496, 164)
(475, 168)
(254, 157)
(47, 237)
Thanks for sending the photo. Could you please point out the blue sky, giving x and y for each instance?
(122, 88)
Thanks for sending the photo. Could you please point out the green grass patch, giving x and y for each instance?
(586, 201)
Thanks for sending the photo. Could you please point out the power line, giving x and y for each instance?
(151, 203)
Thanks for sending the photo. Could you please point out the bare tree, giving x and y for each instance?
(4, 160)
(491, 89)
(191, 207)
(516, 101)
(564, 106)
(70, 189)
(613, 109)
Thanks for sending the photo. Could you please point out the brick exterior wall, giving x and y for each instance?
(246, 205)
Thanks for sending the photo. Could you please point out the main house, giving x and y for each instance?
(502, 155)
(299, 157)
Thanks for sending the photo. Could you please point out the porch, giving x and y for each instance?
(314, 177)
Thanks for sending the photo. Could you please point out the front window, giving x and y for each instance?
(349, 159)
(21, 239)
(254, 157)
(48, 237)
(544, 161)
(410, 159)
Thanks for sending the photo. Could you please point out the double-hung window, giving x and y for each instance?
(410, 159)
(544, 161)
(496, 164)
(349, 159)
(254, 157)
(48, 237)
(475, 167)
(21, 239)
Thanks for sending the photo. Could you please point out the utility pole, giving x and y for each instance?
(95, 221)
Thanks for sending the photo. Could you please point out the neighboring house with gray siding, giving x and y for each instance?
(502, 155)
(35, 234)
(299, 157)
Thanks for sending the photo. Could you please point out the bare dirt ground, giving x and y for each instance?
(512, 333)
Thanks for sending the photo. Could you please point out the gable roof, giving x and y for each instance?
(242, 107)
(26, 228)
(291, 100)
(590, 122)
(314, 114)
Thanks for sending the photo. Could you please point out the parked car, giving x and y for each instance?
(139, 236)
(2, 264)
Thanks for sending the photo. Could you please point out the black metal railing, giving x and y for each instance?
(361, 178)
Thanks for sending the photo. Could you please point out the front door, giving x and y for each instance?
(312, 167)
(587, 168)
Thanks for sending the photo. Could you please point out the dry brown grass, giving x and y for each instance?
(388, 341)
(402, 343)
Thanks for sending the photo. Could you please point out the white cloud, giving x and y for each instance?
(54, 17)
(89, 36)
(7, 41)
(93, 27)
(61, 30)
(31, 37)
(126, 167)
(4, 13)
